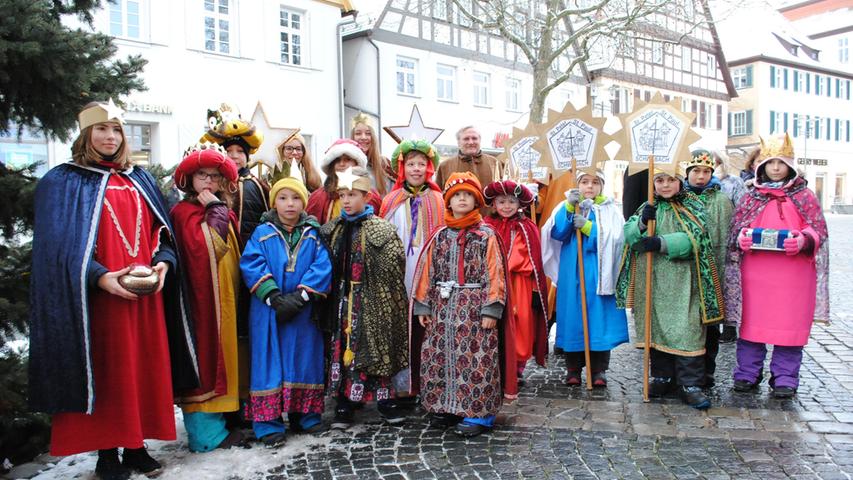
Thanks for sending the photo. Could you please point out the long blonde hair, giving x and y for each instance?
(84, 153)
(374, 158)
(312, 176)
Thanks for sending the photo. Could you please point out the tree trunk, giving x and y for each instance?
(537, 100)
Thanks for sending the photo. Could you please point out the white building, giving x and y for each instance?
(426, 53)
(828, 23)
(678, 55)
(277, 60)
(786, 83)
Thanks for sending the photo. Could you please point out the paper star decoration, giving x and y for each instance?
(114, 112)
(415, 130)
(346, 179)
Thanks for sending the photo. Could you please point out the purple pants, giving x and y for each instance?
(784, 365)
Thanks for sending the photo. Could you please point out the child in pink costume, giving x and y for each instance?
(758, 280)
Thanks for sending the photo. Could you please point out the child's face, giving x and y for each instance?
(667, 186)
(237, 155)
(699, 176)
(506, 205)
(590, 186)
(776, 170)
(107, 137)
(343, 162)
(288, 205)
(415, 170)
(353, 201)
(462, 203)
(206, 179)
(361, 135)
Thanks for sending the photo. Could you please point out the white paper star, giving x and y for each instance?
(114, 112)
(415, 130)
(346, 179)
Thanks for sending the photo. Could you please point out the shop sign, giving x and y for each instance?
(141, 107)
(818, 162)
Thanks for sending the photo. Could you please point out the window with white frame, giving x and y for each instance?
(217, 26)
(739, 123)
(406, 73)
(711, 65)
(445, 88)
(739, 78)
(481, 88)
(291, 25)
(513, 94)
(778, 79)
(844, 50)
(124, 18)
(657, 53)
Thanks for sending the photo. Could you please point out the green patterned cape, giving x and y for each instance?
(690, 214)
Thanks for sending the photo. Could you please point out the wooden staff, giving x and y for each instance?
(647, 342)
(532, 205)
(584, 316)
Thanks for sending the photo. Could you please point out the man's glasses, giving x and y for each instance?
(204, 176)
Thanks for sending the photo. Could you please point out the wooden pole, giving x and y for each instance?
(584, 315)
(532, 205)
(647, 341)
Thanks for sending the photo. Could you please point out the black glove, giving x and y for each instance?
(286, 306)
(648, 244)
(649, 213)
(537, 302)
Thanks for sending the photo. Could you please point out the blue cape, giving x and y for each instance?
(68, 202)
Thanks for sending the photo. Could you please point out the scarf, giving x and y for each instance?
(697, 189)
(475, 158)
(690, 214)
(291, 234)
(471, 218)
(750, 206)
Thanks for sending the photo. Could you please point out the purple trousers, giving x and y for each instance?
(784, 365)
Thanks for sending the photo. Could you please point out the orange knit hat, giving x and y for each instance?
(463, 181)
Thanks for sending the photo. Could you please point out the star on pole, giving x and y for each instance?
(346, 179)
(415, 130)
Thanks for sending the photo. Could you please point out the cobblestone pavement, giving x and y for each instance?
(553, 431)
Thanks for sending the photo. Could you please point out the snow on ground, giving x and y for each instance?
(179, 463)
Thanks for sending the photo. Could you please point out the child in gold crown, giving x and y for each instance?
(796, 268)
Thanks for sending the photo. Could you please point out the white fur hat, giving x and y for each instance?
(343, 146)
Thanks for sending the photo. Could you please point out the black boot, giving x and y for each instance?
(109, 467)
(694, 397)
(659, 386)
(139, 460)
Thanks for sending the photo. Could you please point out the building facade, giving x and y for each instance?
(278, 61)
(788, 84)
(676, 51)
(427, 53)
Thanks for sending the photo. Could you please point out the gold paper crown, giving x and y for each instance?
(100, 113)
(702, 158)
(775, 147)
(361, 117)
(201, 146)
